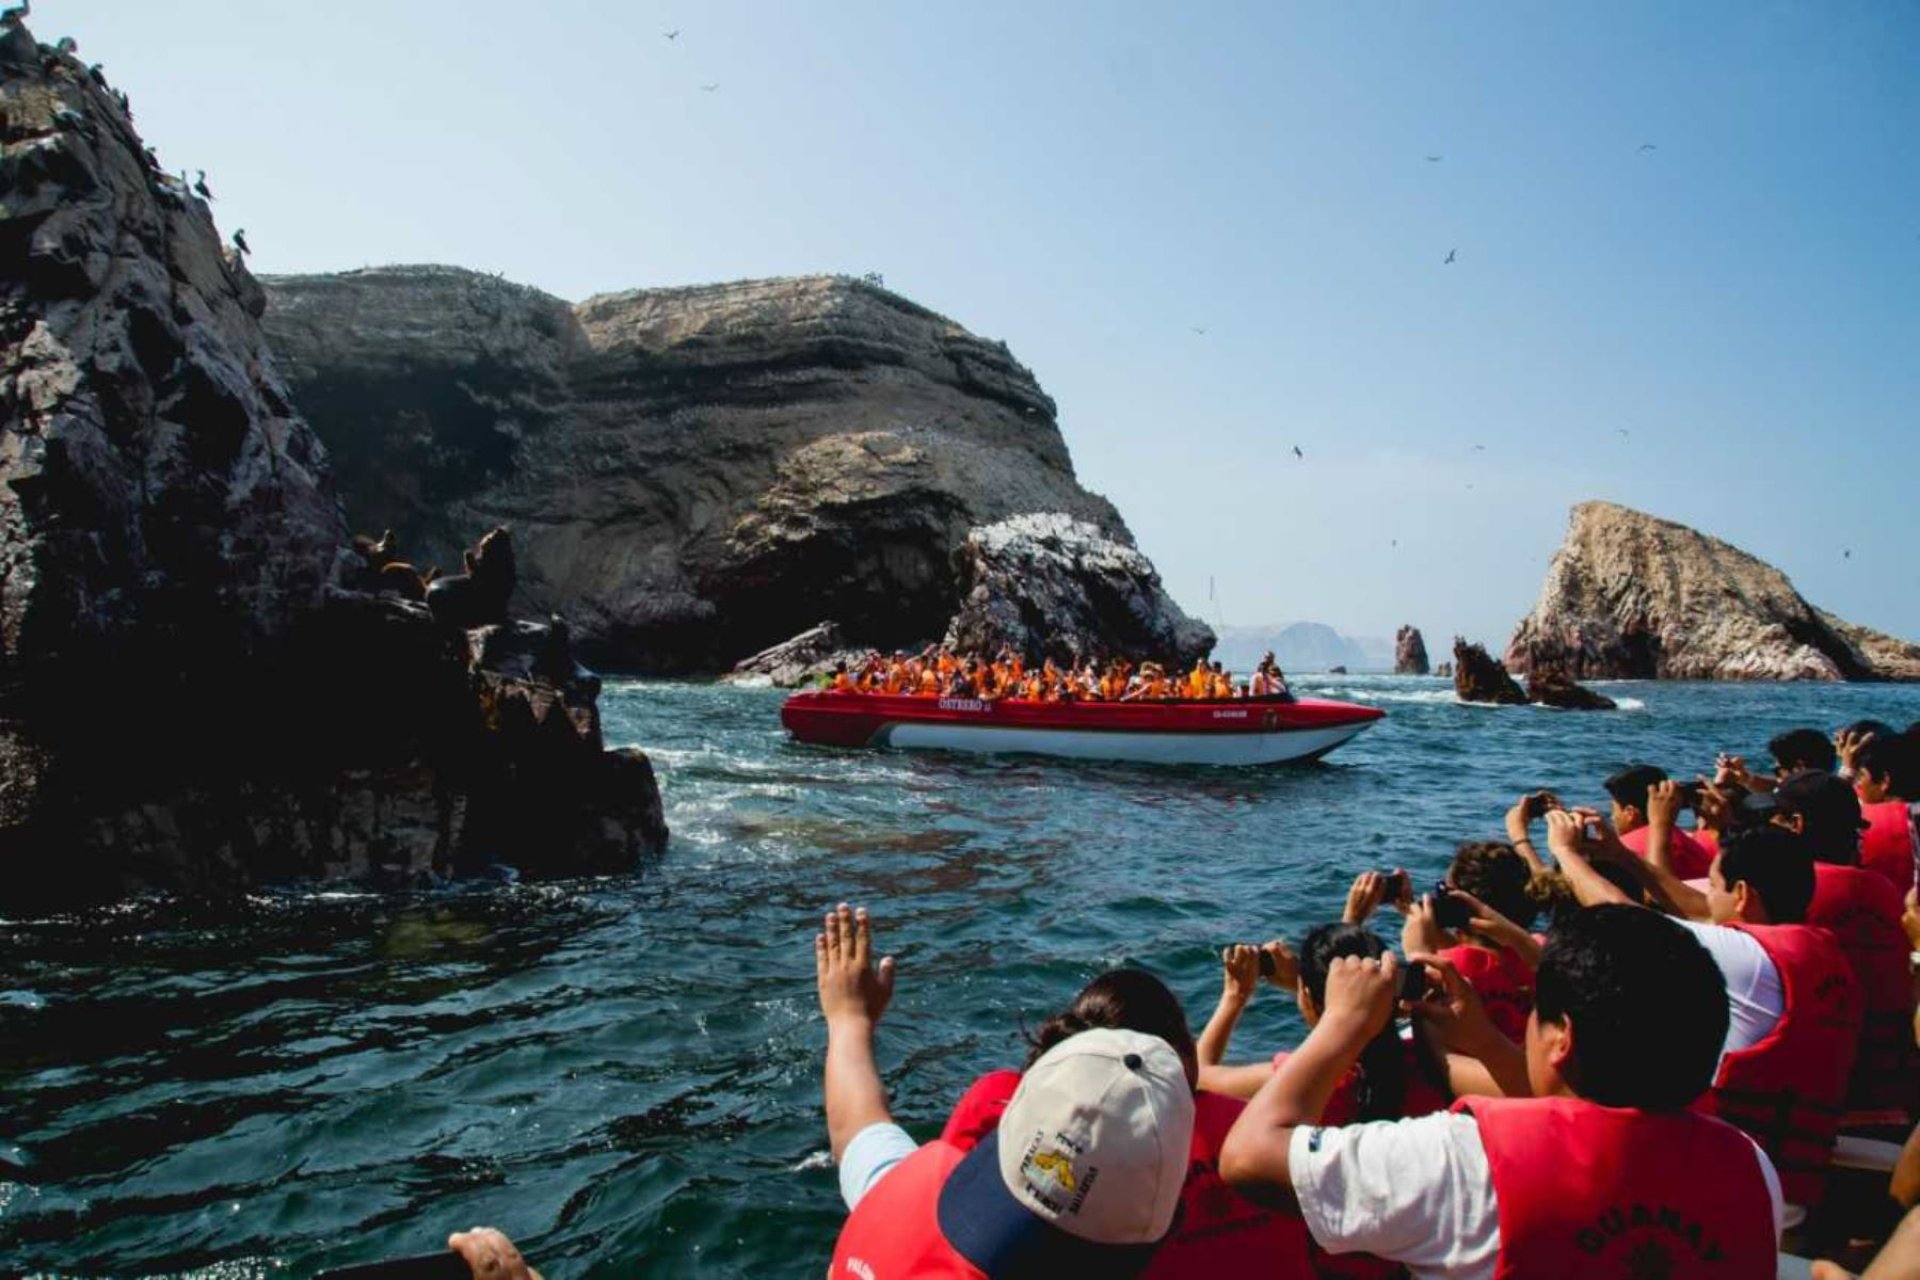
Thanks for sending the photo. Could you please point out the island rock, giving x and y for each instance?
(1052, 586)
(691, 474)
(1549, 688)
(1630, 596)
(804, 659)
(1478, 677)
(193, 698)
(1409, 652)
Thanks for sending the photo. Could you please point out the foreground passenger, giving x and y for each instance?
(1218, 1232)
(1081, 1178)
(1602, 1172)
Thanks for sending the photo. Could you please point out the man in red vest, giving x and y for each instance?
(1591, 1166)
(1864, 911)
(1080, 1178)
(1650, 832)
(1882, 778)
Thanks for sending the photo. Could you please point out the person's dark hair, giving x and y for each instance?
(1647, 1003)
(1382, 1092)
(1493, 872)
(1874, 728)
(1776, 864)
(1127, 999)
(1829, 812)
(1889, 756)
(1629, 787)
(1803, 749)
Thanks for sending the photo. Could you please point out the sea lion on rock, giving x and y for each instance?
(478, 597)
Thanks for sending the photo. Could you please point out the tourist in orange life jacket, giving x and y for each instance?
(1082, 1176)
(1494, 896)
(1217, 1232)
(1591, 1165)
(1662, 841)
(1393, 1077)
(1863, 910)
(1795, 1006)
(1882, 769)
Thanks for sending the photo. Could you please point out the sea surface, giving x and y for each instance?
(624, 1074)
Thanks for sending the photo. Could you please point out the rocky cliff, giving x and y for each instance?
(1629, 596)
(691, 474)
(1409, 652)
(192, 693)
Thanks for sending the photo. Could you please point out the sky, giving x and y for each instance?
(1686, 241)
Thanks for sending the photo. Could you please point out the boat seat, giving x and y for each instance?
(1870, 1154)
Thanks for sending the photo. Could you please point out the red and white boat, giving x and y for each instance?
(1244, 731)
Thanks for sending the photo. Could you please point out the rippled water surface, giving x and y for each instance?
(624, 1074)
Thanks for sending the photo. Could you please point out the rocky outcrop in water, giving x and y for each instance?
(803, 659)
(1629, 596)
(1478, 677)
(1409, 652)
(1557, 689)
(1051, 586)
(691, 474)
(188, 697)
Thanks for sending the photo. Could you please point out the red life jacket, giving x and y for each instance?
(1217, 1233)
(1503, 982)
(1862, 910)
(1690, 859)
(894, 1232)
(1587, 1192)
(1788, 1091)
(1886, 846)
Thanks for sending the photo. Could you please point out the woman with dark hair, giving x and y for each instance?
(1217, 1231)
(1484, 932)
(1395, 1078)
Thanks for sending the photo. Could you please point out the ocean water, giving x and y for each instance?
(624, 1073)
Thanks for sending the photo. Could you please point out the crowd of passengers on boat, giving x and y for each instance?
(938, 672)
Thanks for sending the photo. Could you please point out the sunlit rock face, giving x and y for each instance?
(1630, 596)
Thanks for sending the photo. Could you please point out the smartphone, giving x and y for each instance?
(1415, 982)
(444, 1265)
(1398, 887)
(1538, 803)
(1266, 964)
(1689, 796)
(1450, 910)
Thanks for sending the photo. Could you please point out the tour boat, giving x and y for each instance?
(1243, 731)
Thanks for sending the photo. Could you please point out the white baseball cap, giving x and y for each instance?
(1086, 1165)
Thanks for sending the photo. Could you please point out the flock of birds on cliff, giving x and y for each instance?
(170, 189)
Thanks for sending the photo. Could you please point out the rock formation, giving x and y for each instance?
(691, 474)
(1409, 652)
(1629, 596)
(1051, 586)
(1477, 677)
(1549, 688)
(190, 697)
(801, 660)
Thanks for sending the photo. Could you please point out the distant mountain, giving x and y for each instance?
(1302, 646)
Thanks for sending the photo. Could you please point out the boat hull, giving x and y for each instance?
(1240, 733)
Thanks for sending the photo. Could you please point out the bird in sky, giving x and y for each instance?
(1450, 257)
(708, 88)
(1297, 453)
(1623, 431)
(1479, 448)
(1648, 146)
(673, 34)
(1197, 329)
(1847, 554)
(1434, 159)
(200, 186)
(240, 241)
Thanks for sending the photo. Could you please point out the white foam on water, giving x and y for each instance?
(23, 999)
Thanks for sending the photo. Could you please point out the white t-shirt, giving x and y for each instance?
(872, 1154)
(1416, 1192)
(1754, 998)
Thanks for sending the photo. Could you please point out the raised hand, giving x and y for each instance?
(1457, 1015)
(1422, 931)
(1361, 993)
(1286, 965)
(1664, 802)
(852, 987)
(490, 1255)
(1369, 890)
(1240, 973)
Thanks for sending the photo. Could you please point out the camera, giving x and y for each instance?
(1539, 803)
(1267, 969)
(1396, 885)
(1689, 796)
(1450, 910)
(1415, 982)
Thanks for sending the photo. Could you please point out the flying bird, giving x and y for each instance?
(708, 88)
(200, 186)
(1450, 256)
(1623, 431)
(1648, 146)
(240, 241)
(1479, 448)
(1197, 329)
(1297, 453)
(1434, 159)
(673, 34)
(1846, 555)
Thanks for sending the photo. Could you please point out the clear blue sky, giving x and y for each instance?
(1093, 181)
